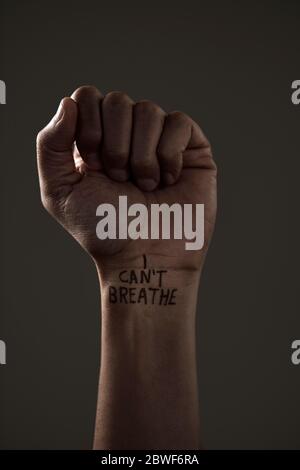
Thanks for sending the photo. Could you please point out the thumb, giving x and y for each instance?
(55, 142)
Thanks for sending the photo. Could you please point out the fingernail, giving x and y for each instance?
(169, 178)
(148, 184)
(118, 174)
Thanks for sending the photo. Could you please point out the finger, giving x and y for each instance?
(182, 144)
(174, 140)
(89, 132)
(117, 110)
(148, 120)
(55, 151)
(198, 153)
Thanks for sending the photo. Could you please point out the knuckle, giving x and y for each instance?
(147, 107)
(209, 149)
(179, 117)
(115, 98)
(85, 92)
(40, 137)
(208, 153)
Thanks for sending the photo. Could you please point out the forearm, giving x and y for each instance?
(148, 394)
(159, 161)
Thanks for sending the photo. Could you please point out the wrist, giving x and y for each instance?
(148, 358)
(148, 302)
(147, 281)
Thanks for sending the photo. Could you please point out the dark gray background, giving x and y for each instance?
(230, 66)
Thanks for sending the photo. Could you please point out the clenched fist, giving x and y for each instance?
(95, 149)
(99, 147)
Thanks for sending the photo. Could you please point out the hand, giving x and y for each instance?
(94, 150)
(97, 148)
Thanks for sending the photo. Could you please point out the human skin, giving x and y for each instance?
(95, 149)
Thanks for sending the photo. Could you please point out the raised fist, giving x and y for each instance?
(97, 148)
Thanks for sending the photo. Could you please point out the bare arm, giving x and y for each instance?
(95, 149)
(148, 394)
